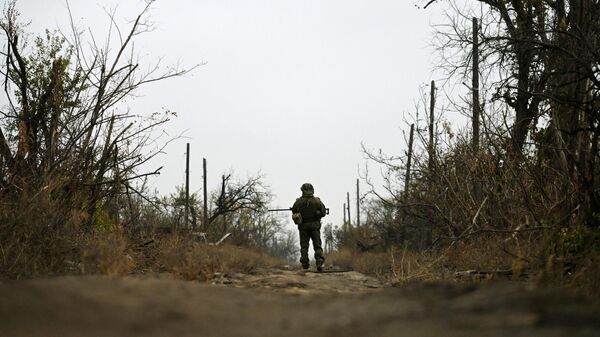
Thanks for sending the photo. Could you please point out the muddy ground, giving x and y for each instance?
(287, 303)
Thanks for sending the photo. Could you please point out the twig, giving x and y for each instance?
(478, 211)
(123, 180)
(429, 3)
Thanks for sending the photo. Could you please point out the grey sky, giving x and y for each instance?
(290, 88)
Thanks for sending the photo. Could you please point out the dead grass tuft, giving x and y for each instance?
(35, 238)
(394, 265)
(400, 265)
(192, 260)
(107, 253)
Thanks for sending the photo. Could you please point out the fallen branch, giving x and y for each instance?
(530, 229)
(479, 274)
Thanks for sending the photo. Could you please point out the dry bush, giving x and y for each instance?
(67, 156)
(491, 253)
(517, 255)
(572, 261)
(108, 253)
(582, 277)
(411, 265)
(192, 260)
(378, 264)
(393, 265)
(585, 278)
(343, 258)
(37, 237)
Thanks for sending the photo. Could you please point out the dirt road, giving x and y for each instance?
(286, 303)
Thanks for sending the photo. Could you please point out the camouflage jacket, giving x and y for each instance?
(311, 208)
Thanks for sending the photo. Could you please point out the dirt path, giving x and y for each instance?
(303, 282)
(286, 303)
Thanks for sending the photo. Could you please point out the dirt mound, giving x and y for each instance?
(286, 303)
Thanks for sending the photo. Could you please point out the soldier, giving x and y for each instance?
(307, 213)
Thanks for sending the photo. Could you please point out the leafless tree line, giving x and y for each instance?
(537, 165)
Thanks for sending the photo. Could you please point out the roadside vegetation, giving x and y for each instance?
(74, 172)
(521, 198)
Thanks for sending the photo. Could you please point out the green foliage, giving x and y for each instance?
(578, 241)
(101, 219)
(52, 78)
(177, 199)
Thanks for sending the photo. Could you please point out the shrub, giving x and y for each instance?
(393, 265)
(192, 260)
(107, 252)
(37, 236)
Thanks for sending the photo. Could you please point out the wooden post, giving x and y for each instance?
(475, 86)
(348, 208)
(431, 150)
(187, 185)
(345, 224)
(409, 160)
(476, 106)
(357, 204)
(431, 145)
(117, 183)
(221, 205)
(205, 214)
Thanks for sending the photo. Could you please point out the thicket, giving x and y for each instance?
(73, 158)
(524, 197)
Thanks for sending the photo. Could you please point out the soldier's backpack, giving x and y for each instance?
(310, 210)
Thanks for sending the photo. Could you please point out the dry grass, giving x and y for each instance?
(493, 253)
(107, 253)
(572, 262)
(192, 260)
(36, 237)
(574, 266)
(400, 265)
(394, 265)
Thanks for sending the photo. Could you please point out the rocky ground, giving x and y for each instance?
(287, 303)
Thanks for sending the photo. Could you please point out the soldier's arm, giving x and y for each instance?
(295, 207)
(322, 208)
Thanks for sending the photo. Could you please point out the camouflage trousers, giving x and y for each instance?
(310, 231)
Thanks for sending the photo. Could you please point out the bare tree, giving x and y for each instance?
(235, 195)
(540, 61)
(71, 153)
(64, 120)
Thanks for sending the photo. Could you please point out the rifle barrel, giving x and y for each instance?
(279, 209)
(289, 209)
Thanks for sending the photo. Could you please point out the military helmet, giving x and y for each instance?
(307, 187)
(307, 190)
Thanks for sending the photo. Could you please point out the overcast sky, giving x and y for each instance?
(289, 88)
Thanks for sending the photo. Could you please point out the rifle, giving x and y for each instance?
(290, 209)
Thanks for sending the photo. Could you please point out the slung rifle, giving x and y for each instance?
(290, 209)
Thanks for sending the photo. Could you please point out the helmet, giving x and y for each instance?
(307, 189)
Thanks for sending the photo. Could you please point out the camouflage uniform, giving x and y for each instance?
(312, 210)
